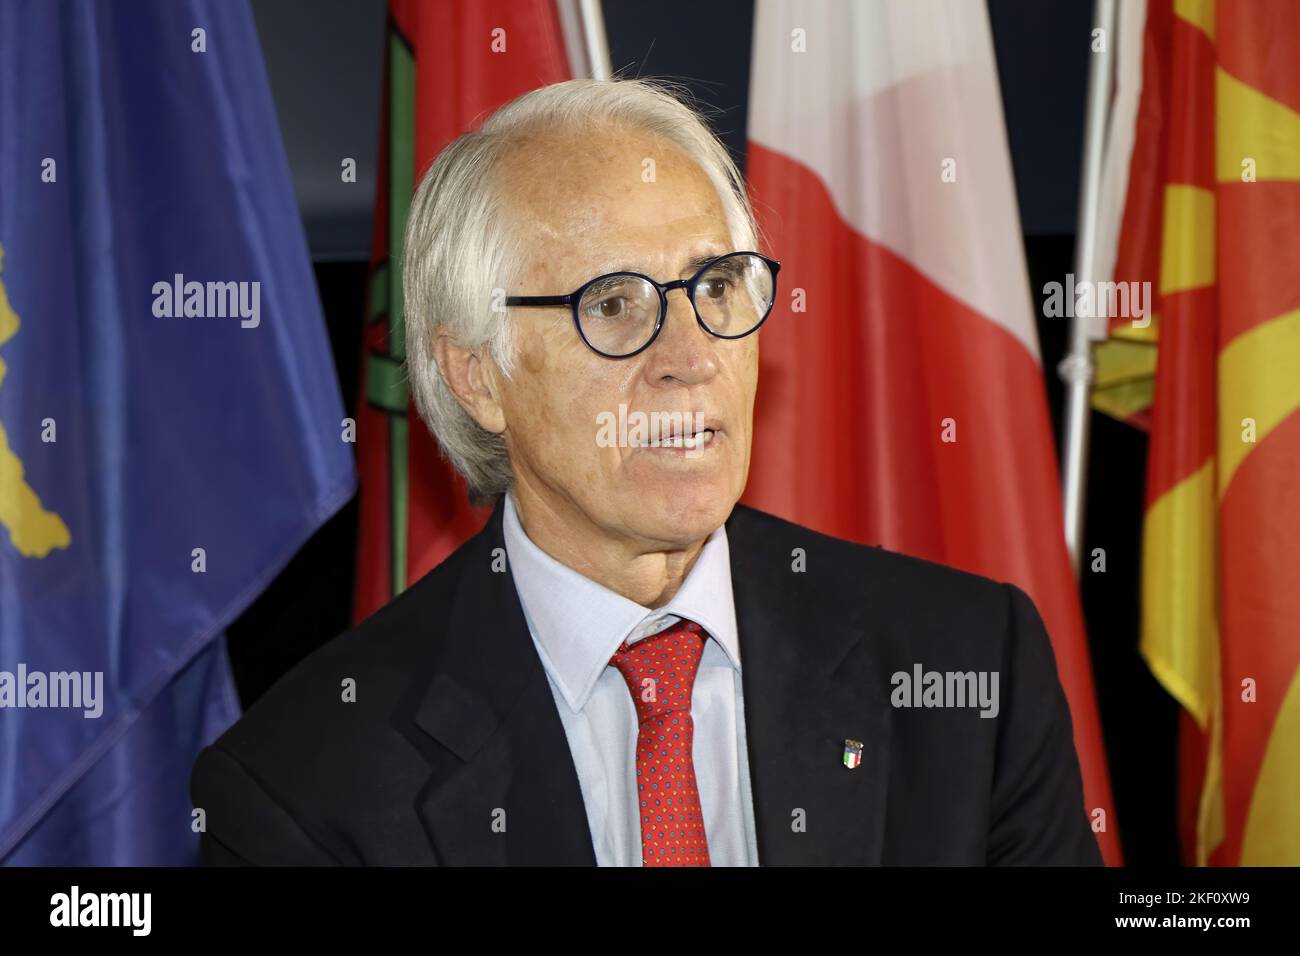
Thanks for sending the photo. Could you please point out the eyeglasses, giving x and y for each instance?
(620, 314)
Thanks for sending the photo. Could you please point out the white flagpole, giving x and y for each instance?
(593, 30)
(583, 25)
(1077, 369)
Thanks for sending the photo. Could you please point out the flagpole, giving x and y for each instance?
(583, 24)
(593, 32)
(1077, 369)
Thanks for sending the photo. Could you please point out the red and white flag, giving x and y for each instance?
(905, 355)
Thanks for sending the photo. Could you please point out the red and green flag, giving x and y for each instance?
(449, 65)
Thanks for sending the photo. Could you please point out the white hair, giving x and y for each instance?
(461, 256)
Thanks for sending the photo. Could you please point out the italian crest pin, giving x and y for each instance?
(852, 753)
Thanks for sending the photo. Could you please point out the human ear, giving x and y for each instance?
(473, 380)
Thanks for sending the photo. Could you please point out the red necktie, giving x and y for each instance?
(660, 673)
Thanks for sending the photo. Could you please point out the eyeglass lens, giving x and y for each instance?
(618, 314)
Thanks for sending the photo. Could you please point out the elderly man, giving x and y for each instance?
(626, 667)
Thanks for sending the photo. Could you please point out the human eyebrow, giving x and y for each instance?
(696, 263)
(693, 265)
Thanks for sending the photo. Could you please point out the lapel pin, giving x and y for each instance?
(852, 753)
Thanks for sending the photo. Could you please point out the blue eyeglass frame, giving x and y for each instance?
(573, 299)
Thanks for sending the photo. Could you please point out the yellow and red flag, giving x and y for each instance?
(1211, 217)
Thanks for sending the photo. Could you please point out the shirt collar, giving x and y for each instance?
(579, 624)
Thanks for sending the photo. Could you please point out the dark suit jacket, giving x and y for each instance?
(454, 721)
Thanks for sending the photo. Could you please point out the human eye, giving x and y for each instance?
(610, 304)
(715, 287)
(614, 300)
(721, 280)
(607, 307)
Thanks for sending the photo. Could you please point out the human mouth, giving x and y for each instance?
(692, 440)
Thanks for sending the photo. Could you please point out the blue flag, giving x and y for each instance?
(171, 428)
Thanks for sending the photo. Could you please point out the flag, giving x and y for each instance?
(450, 64)
(905, 358)
(171, 429)
(1210, 195)
(1131, 206)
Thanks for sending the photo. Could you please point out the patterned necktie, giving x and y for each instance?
(660, 673)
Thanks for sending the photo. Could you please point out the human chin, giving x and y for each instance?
(678, 504)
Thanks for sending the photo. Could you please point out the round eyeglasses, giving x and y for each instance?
(620, 314)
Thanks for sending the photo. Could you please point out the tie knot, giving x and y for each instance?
(660, 669)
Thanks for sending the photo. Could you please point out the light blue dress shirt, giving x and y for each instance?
(576, 626)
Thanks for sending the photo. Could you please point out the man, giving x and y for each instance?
(626, 667)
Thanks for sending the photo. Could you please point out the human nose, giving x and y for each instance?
(684, 351)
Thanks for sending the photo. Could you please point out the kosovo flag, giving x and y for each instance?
(171, 428)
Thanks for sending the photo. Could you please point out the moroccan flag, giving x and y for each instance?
(171, 428)
(450, 64)
(1211, 216)
(904, 365)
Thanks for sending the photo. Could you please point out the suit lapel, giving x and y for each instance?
(503, 788)
(810, 681)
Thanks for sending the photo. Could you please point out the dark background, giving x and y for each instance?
(325, 58)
